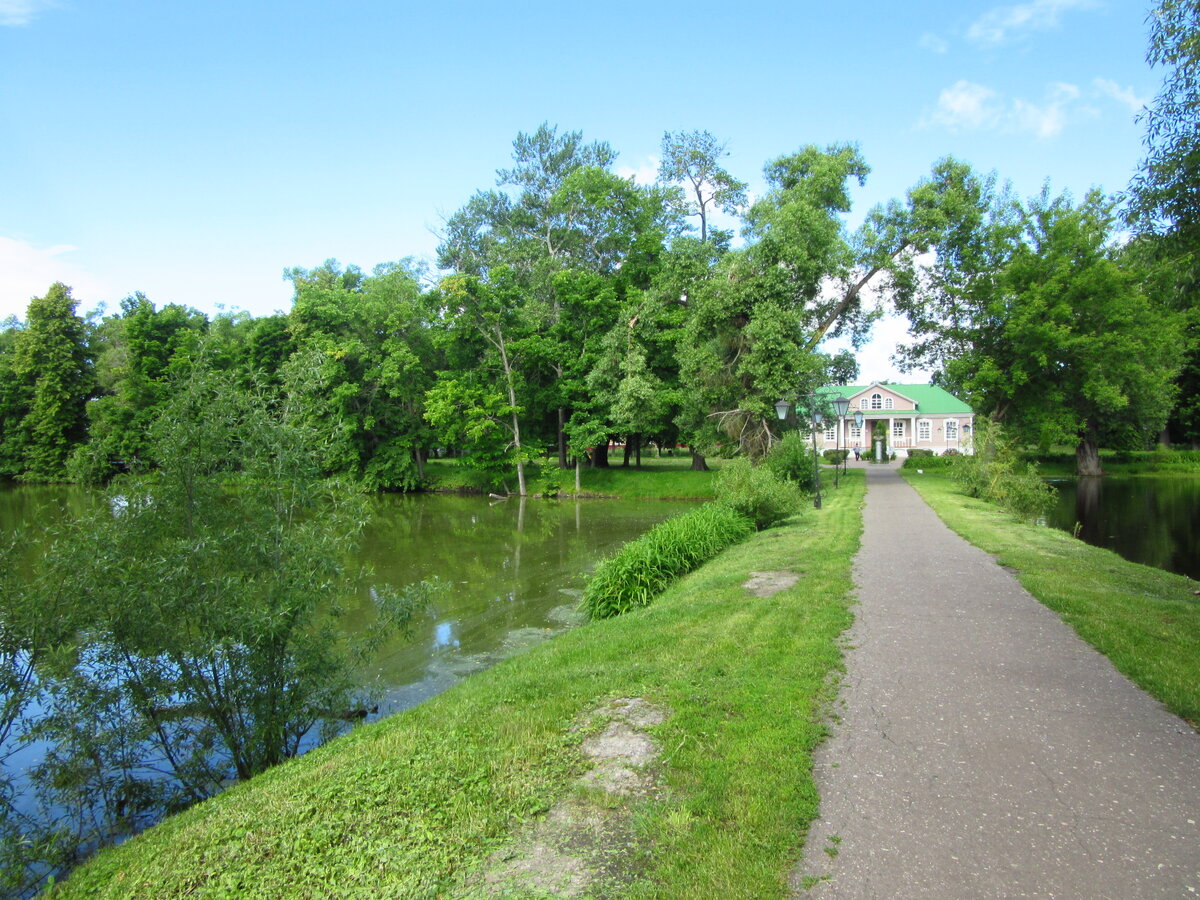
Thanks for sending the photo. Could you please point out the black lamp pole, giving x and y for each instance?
(840, 406)
(781, 410)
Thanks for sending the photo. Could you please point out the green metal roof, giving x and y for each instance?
(930, 399)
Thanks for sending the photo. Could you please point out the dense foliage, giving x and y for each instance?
(576, 308)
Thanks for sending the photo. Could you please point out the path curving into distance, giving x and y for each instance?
(983, 749)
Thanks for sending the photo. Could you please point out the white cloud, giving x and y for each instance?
(1046, 119)
(934, 44)
(966, 106)
(646, 173)
(999, 25)
(27, 271)
(1106, 87)
(22, 12)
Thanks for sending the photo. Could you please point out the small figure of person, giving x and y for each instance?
(857, 453)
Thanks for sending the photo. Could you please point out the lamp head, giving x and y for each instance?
(841, 406)
(781, 409)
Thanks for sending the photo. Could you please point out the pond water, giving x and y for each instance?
(1155, 521)
(513, 571)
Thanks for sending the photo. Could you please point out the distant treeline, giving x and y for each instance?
(572, 306)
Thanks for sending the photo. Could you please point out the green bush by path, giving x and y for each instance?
(756, 493)
(793, 459)
(643, 568)
(414, 806)
(1145, 620)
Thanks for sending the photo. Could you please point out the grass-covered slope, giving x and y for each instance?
(1145, 620)
(413, 806)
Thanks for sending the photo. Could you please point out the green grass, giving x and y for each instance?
(667, 478)
(412, 806)
(1145, 620)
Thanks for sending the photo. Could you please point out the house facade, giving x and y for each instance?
(921, 416)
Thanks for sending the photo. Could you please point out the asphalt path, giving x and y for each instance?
(980, 748)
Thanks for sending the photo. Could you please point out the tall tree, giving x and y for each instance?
(570, 236)
(52, 364)
(1046, 324)
(752, 328)
(1165, 195)
(691, 162)
(361, 365)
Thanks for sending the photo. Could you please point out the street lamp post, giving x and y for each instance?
(781, 410)
(840, 406)
(858, 423)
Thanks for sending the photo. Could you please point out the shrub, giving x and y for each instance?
(835, 456)
(928, 462)
(643, 568)
(917, 453)
(996, 473)
(756, 493)
(792, 460)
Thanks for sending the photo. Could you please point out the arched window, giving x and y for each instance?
(877, 401)
(888, 403)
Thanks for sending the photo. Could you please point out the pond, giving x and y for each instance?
(513, 571)
(1154, 521)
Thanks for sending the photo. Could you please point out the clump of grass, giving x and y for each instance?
(643, 568)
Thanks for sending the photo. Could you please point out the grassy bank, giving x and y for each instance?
(1145, 620)
(1185, 463)
(417, 805)
(668, 477)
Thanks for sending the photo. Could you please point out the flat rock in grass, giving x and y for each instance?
(583, 847)
(768, 584)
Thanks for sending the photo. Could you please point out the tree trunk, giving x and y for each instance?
(600, 456)
(563, 463)
(512, 402)
(628, 452)
(578, 466)
(637, 451)
(1087, 456)
(698, 463)
(420, 461)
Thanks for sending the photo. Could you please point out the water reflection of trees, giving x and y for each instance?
(1154, 521)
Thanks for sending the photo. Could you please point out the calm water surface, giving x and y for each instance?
(513, 571)
(1155, 521)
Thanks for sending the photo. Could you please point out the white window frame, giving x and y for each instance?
(898, 429)
(877, 401)
(831, 432)
(950, 427)
(924, 430)
(855, 432)
(889, 403)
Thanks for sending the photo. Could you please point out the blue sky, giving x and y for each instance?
(192, 151)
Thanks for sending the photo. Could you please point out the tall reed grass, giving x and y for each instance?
(643, 568)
